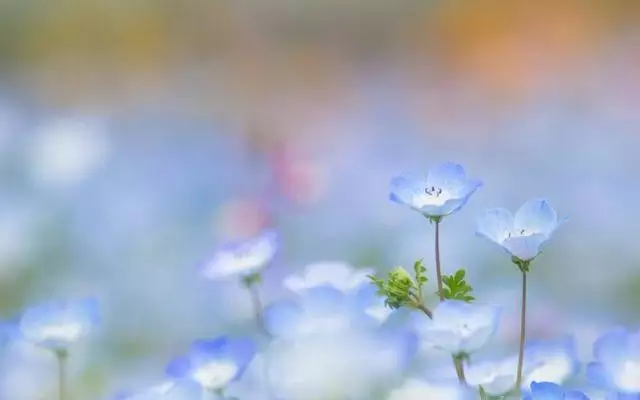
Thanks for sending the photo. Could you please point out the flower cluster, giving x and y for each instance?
(341, 333)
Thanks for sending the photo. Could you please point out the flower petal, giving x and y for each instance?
(536, 216)
(525, 247)
(495, 224)
(449, 176)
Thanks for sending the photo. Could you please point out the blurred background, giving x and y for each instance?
(136, 136)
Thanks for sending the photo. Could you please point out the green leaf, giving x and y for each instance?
(456, 287)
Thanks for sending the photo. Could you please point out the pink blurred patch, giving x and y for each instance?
(241, 218)
(298, 178)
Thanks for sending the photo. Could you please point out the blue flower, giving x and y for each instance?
(321, 309)
(149, 393)
(497, 376)
(444, 191)
(242, 258)
(57, 325)
(617, 362)
(524, 234)
(551, 391)
(458, 327)
(414, 389)
(550, 361)
(337, 274)
(213, 364)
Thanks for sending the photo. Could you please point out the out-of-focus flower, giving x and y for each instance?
(319, 310)
(58, 325)
(337, 274)
(445, 190)
(458, 327)
(524, 234)
(415, 389)
(67, 151)
(213, 364)
(350, 363)
(552, 391)
(617, 362)
(327, 347)
(496, 377)
(550, 361)
(159, 390)
(372, 304)
(242, 258)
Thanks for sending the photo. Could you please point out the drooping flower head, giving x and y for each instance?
(552, 391)
(213, 364)
(617, 362)
(458, 327)
(242, 258)
(445, 190)
(524, 234)
(58, 325)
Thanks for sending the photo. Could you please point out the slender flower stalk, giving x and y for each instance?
(438, 267)
(257, 307)
(457, 362)
(61, 356)
(524, 266)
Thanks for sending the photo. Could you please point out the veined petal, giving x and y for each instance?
(449, 176)
(536, 216)
(525, 247)
(404, 188)
(495, 224)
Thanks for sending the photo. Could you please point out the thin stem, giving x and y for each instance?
(210, 395)
(523, 325)
(457, 362)
(257, 308)
(61, 356)
(438, 269)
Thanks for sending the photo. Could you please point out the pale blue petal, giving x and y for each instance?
(525, 247)
(323, 299)
(179, 367)
(238, 350)
(282, 318)
(546, 391)
(536, 216)
(598, 375)
(403, 188)
(57, 325)
(243, 257)
(495, 224)
(551, 361)
(448, 176)
(460, 327)
(611, 347)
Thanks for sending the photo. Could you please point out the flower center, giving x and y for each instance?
(432, 196)
(629, 376)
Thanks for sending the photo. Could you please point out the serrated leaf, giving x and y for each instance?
(456, 287)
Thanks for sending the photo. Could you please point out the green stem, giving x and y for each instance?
(438, 269)
(257, 308)
(523, 326)
(61, 357)
(457, 363)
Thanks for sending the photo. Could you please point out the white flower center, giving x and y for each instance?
(215, 375)
(67, 332)
(432, 196)
(628, 377)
